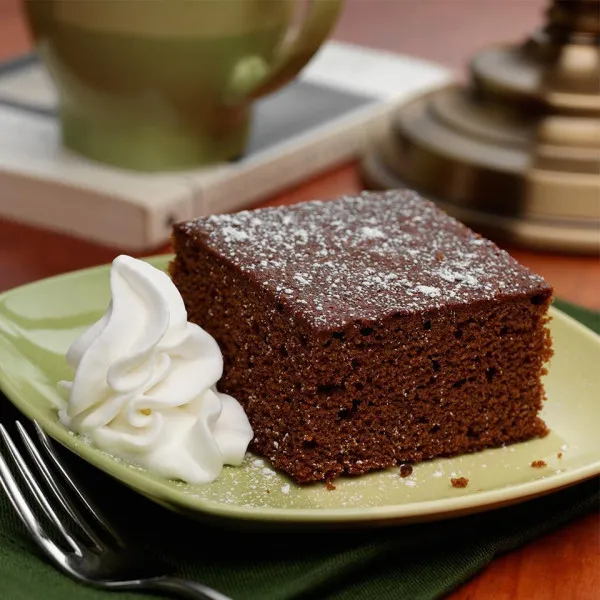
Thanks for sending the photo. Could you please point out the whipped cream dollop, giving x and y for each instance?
(145, 383)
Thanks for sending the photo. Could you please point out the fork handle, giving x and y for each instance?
(183, 588)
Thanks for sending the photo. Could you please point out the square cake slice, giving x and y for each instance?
(367, 331)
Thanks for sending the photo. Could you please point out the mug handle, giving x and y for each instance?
(253, 77)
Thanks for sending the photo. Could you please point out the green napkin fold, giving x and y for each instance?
(414, 562)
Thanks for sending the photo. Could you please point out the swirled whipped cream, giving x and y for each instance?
(145, 383)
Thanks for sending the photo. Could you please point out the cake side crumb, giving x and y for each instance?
(459, 482)
(405, 470)
(538, 464)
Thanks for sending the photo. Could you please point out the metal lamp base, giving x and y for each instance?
(515, 153)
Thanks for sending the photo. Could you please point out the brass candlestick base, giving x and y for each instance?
(516, 152)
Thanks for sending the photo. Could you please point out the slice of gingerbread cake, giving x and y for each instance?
(367, 331)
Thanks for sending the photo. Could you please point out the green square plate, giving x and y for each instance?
(39, 321)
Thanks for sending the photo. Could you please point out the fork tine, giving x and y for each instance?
(56, 488)
(27, 516)
(38, 494)
(62, 469)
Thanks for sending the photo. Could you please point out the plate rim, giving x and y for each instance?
(136, 478)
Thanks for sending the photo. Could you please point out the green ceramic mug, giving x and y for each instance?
(167, 84)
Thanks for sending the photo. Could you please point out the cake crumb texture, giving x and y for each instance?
(366, 332)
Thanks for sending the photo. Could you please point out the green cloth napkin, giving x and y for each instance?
(414, 562)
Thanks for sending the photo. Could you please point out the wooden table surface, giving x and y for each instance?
(562, 565)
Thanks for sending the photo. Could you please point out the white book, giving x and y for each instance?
(326, 117)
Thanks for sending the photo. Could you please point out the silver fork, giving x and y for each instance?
(96, 554)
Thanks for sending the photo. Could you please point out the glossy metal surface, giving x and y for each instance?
(97, 556)
(515, 152)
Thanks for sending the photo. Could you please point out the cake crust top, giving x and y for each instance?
(361, 258)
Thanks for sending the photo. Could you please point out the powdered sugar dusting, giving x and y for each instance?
(371, 232)
(231, 234)
(363, 257)
(429, 290)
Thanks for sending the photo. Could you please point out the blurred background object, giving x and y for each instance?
(164, 85)
(515, 150)
(113, 96)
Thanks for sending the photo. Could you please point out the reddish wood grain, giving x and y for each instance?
(564, 565)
